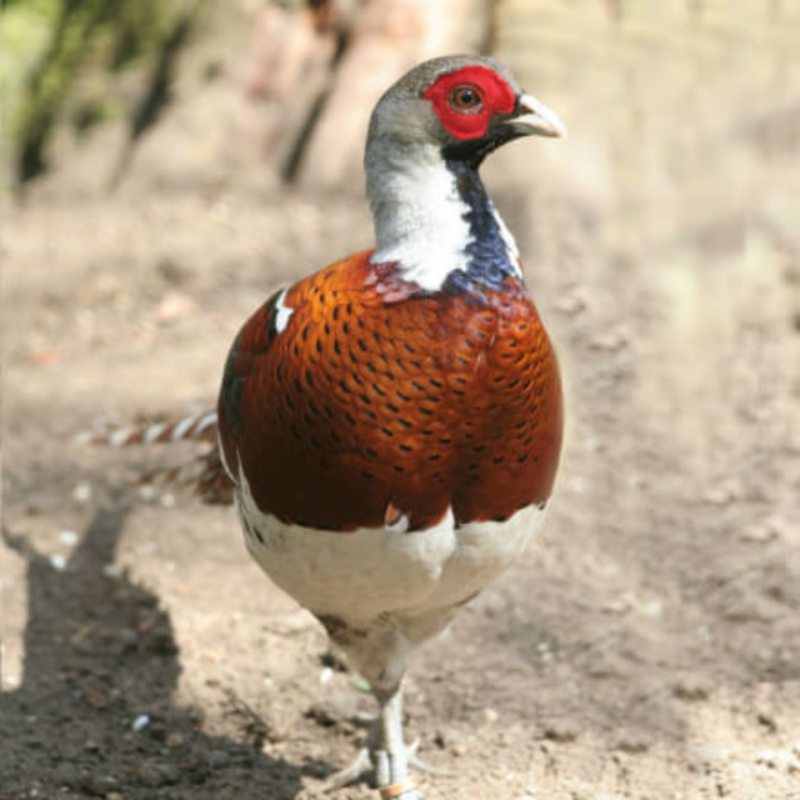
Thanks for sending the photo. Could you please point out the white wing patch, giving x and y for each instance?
(400, 525)
(283, 313)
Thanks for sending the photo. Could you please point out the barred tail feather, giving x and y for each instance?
(197, 427)
(203, 474)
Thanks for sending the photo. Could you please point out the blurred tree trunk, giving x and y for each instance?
(106, 35)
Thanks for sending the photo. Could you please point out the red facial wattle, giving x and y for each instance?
(496, 95)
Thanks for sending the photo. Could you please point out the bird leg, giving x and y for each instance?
(385, 757)
(391, 760)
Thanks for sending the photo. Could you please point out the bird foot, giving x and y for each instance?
(379, 767)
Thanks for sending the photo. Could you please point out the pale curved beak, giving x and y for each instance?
(535, 118)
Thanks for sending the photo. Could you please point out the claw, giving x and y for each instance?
(415, 762)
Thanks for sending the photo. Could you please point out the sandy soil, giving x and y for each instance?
(649, 644)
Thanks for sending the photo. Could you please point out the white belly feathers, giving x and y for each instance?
(360, 575)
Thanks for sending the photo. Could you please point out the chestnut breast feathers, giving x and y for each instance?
(346, 401)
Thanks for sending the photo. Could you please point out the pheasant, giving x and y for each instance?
(390, 426)
(392, 423)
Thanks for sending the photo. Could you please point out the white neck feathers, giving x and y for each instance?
(420, 218)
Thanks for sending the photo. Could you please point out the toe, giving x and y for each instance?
(358, 768)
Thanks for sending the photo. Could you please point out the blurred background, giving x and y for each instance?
(166, 164)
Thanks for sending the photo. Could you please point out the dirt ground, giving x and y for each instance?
(647, 647)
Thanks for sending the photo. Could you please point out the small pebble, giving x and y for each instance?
(69, 538)
(97, 785)
(763, 531)
(82, 493)
(141, 722)
(147, 493)
(772, 759)
(326, 675)
(608, 341)
(767, 721)
(719, 496)
(636, 481)
(653, 608)
(545, 656)
(57, 561)
(113, 570)
(571, 304)
(633, 742)
(561, 731)
(759, 533)
(174, 306)
(578, 485)
(692, 688)
(168, 501)
(490, 715)
(175, 739)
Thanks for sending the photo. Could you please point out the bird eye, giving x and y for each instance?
(465, 98)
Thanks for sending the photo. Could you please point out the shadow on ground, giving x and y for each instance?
(101, 654)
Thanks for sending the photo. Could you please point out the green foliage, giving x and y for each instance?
(86, 38)
(23, 34)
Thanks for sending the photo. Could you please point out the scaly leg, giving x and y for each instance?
(391, 761)
(385, 756)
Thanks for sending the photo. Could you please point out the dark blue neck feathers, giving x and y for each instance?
(489, 262)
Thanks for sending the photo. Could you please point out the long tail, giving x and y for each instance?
(203, 474)
(200, 427)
